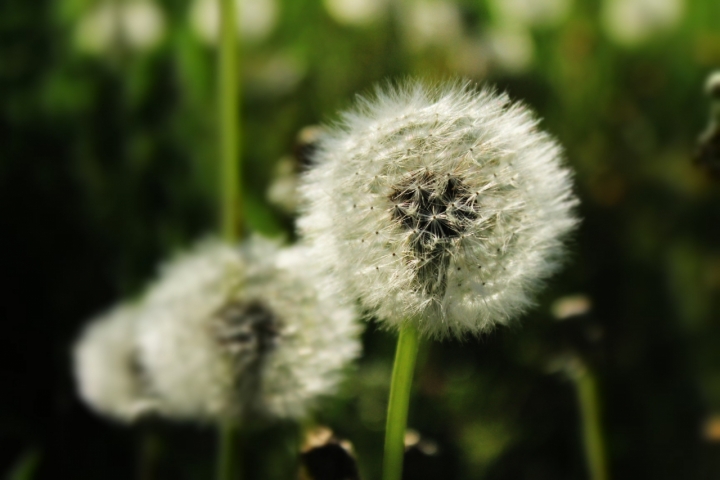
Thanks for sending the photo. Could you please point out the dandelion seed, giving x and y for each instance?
(487, 188)
(109, 376)
(229, 332)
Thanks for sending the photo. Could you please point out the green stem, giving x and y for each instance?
(227, 467)
(149, 454)
(587, 394)
(230, 181)
(402, 376)
(229, 110)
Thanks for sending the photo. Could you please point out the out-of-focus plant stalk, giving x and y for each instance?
(230, 183)
(230, 134)
(399, 402)
(589, 406)
(228, 465)
(149, 455)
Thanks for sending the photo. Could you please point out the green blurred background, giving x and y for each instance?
(108, 164)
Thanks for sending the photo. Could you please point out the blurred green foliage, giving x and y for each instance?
(108, 164)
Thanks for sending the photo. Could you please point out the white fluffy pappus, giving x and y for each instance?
(232, 332)
(440, 205)
(108, 376)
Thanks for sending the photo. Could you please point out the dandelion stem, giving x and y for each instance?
(227, 467)
(230, 182)
(149, 454)
(229, 119)
(587, 394)
(402, 376)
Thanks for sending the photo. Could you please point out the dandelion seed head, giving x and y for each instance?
(109, 377)
(469, 197)
(233, 332)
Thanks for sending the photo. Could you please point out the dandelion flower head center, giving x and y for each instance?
(437, 209)
(232, 332)
(247, 331)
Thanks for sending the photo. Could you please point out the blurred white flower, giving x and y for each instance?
(133, 24)
(256, 19)
(511, 49)
(507, 49)
(431, 22)
(230, 332)
(108, 375)
(532, 12)
(143, 24)
(631, 22)
(356, 12)
(442, 206)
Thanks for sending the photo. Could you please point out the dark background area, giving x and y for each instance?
(107, 164)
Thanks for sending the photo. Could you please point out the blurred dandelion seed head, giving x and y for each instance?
(511, 48)
(443, 204)
(229, 332)
(632, 22)
(109, 377)
(356, 12)
(144, 24)
(136, 24)
(256, 19)
(431, 22)
(532, 12)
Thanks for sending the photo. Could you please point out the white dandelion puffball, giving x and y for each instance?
(235, 332)
(443, 206)
(108, 375)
